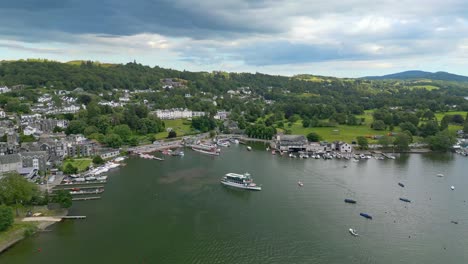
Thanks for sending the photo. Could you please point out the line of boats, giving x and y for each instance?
(332, 155)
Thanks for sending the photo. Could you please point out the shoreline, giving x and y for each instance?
(19, 234)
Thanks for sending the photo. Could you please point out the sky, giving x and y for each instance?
(346, 38)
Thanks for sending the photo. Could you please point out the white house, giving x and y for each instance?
(72, 109)
(4, 89)
(177, 113)
(345, 148)
(221, 115)
(27, 131)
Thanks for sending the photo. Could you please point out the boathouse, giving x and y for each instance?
(291, 143)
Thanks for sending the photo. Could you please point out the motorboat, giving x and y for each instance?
(241, 181)
(405, 200)
(249, 148)
(452, 187)
(351, 201)
(300, 183)
(368, 216)
(401, 184)
(440, 175)
(353, 232)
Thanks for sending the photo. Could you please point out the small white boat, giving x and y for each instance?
(452, 187)
(101, 178)
(119, 159)
(353, 232)
(440, 175)
(249, 148)
(300, 183)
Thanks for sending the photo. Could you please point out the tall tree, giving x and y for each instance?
(16, 190)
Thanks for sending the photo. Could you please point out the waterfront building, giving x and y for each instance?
(291, 142)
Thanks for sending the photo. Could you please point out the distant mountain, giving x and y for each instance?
(409, 75)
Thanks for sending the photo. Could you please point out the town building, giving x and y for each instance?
(10, 163)
(108, 153)
(34, 159)
(177, 113)
(291, 142)
(221, 115)
(4, 89)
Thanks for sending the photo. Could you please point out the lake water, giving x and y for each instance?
(177, 211)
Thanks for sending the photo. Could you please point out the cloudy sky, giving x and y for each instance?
(347, 38)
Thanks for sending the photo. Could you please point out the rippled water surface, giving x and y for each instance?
(176, 211)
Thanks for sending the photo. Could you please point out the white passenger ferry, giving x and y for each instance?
(242, 181)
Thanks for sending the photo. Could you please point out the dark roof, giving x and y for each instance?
(8, 159)
(292, 138)
(33, 154)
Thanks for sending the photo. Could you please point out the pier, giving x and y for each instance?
(74, 217)
(155, 147)
(82, 187)
(87, 198)
(81, 183)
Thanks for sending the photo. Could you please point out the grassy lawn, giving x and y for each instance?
(440, 115)
(427, 87)
(340, 132)
(178, 125)
(81, 163)
(367, 117)
(15, 231)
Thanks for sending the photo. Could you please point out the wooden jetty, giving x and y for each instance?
(74, 217)
(87, 198)
(81, 183)
(81, 187)
(97, 191)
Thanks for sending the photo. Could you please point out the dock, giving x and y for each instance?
(87, 198)
(74, 217)
(81, 183)
(81, 187)
(97, 191)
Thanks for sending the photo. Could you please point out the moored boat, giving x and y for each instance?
(368, 216)
(351, 201)
(300, 183)
(241, 181)
(405, 200)
(452, 187)
(401, 184)
(353, 232)
(249, 148)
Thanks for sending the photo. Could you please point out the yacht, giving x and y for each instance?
(242, 181)
(207, 149)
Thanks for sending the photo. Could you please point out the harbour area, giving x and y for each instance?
(181, 201)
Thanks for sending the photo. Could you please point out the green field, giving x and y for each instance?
(340, 132)
(427, 87)
(178, 125)
(440, 115)
(81, 163)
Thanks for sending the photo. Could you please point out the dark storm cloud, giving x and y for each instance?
(30, 19)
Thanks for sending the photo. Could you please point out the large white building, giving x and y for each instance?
(177, 113)
(4, 89)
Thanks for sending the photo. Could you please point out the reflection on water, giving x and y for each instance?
(442, 158)
(237, 193)
(402, 160)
